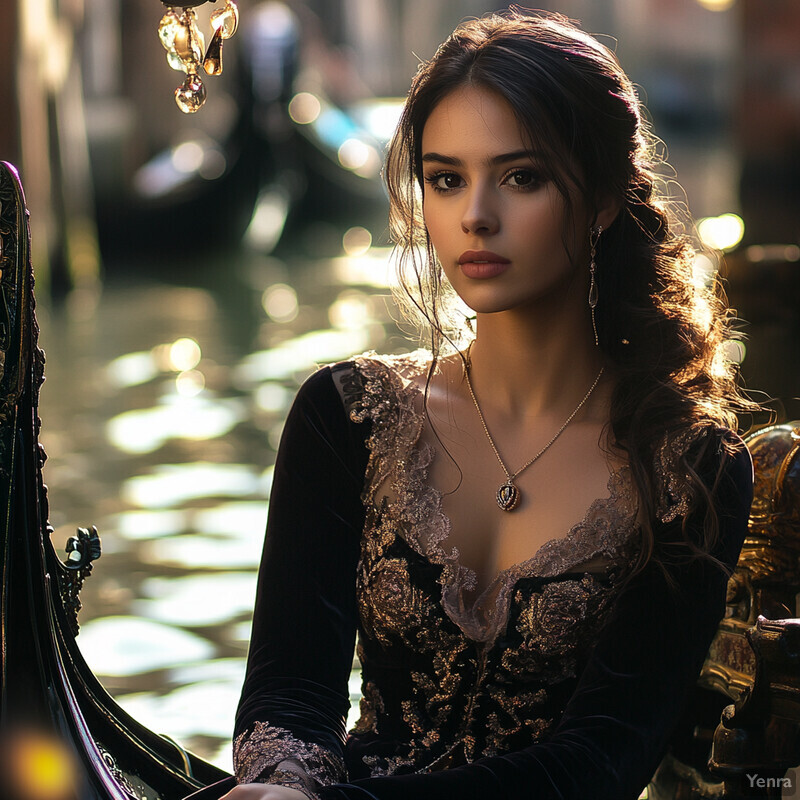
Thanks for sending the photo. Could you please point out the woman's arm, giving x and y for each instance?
(616, 726)
(295, 698)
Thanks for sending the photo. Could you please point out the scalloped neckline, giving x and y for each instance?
(480, 619)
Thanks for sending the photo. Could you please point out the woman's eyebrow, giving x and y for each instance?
(501, 158)
(517, 155)
(440, 159)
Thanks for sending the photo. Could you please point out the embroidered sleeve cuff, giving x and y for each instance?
(293, 780)
(256, 754)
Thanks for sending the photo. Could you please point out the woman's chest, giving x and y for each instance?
(555, 494)
(526, 627)
(421, 578)
(440, 557)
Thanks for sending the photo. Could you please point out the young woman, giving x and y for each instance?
(530, 531)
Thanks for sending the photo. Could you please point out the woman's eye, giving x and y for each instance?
(443, 181)
(521, 178)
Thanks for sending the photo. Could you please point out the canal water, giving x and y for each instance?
(162, 411)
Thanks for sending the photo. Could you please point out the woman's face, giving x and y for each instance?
(497, 226)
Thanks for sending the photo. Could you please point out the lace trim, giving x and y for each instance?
(391, 399)
(607, 530)
(265, 746)
(674, 483)
(393, 402)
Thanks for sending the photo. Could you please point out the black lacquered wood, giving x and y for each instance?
(46, 686)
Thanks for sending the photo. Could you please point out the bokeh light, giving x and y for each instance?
(717, 5)
(190, 383)
(184, 354)
(356, 241)
(350, 311)
(187, 157)
(273, 398)
(280, 302)
(757, 253)
(735, 350)
(36, 766)
(304, 108)
(354, 154)
(703, 270)
(721, 233)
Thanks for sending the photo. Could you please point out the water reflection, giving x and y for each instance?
(197, 600)
(182, 416)
(301, 354)
(197, 552)
(169, 485)
(368, 269)
(120, 646)
(162, 414)
(149, 524)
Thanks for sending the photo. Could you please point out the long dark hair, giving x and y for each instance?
(661, 329)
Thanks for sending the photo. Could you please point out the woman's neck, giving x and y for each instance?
(521, 368)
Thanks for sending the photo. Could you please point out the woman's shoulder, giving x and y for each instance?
(372, 380)
(708, 452)
(712, 448)
(367, 384)
(402, 367)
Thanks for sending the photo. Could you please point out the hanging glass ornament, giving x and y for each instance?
(185, 46)
(226, 20)
(168, 28)
(191, 94)
(212, 63)
(189, 43)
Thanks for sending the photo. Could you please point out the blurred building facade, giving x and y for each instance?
(767, 114)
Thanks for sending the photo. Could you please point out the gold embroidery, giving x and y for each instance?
(370, 705)
(674, 483)
(265, 746)
(513, 717)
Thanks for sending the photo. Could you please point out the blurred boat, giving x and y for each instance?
(288, 155)
(59, 728)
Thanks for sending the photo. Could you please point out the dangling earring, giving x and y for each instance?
(594, 238)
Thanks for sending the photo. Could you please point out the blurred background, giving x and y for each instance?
(193, 269)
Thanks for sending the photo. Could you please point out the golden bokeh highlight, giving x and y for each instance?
(717, 5)
(37, 766)
(280, 302)
(721, 233)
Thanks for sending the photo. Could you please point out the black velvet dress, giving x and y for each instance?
(557, 682)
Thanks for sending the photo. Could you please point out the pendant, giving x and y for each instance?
(508, 496)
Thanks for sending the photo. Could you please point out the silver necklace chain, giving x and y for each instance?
(508, 495)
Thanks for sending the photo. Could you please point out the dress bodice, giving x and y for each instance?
(484, 674)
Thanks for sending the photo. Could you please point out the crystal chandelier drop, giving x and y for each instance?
(186, 49)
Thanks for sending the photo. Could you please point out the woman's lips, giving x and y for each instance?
(482, 264)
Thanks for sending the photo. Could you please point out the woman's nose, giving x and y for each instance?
(480, 215)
